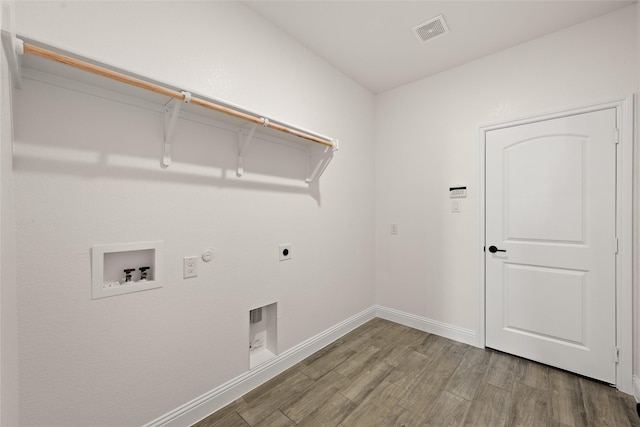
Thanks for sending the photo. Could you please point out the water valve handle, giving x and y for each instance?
(127, 272)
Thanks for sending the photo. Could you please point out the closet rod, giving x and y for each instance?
(35, 50)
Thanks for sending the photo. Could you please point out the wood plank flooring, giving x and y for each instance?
(386, 374)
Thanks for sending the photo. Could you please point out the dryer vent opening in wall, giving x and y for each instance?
(431, 29)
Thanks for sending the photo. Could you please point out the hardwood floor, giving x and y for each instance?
(386, 374)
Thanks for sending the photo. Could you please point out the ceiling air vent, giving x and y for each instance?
(431, 29)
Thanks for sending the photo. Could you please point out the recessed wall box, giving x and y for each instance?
(125, 267)
(263, 334)
(457, 192)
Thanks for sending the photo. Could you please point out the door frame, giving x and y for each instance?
(624, 228)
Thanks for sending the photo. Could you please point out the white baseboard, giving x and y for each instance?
(445, 330)
(208, 403)
(219, 397)
(636, 388)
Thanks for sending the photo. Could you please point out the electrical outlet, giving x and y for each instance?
(394, 228)
(190, 266)
(285, 251)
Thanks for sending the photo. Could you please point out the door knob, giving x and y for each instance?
(493, 249)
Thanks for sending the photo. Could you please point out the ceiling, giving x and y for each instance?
(373, 43)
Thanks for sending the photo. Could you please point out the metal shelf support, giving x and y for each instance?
(243, 144)
(170, 119)
(318, 162)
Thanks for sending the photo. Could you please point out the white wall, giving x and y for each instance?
(427, 141)
(89, 173)
(636, 240)
(8, 280)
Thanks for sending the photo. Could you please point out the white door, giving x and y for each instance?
(550, 216)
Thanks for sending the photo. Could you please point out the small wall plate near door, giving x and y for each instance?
(457, 192)
(285, 251)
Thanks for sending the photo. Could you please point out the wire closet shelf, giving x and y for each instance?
(15, 48)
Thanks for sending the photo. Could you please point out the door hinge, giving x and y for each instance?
(617, 355)
(615, 245)
(616, 136)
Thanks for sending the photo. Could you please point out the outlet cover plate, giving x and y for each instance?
(190, 267)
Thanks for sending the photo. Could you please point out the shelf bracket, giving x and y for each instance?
(12, 46)
(318, 162)
(170, 119)
(243, 144)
